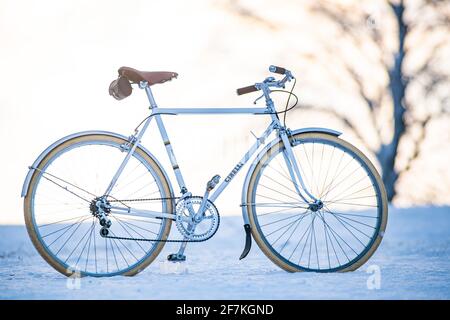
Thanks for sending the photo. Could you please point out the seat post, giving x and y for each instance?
(151, 99)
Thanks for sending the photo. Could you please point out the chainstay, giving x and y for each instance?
(153, 240)
(145, 199)
(157, 240)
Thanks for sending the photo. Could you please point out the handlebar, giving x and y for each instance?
(278, 70)
(246, 90)
(268, 82)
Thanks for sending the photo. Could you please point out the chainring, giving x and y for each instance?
(205, 228)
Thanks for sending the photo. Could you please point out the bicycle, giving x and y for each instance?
(100, 204)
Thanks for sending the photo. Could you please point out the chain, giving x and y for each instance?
(153, 240)
(156, 240)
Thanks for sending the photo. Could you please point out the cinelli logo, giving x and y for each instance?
(234, 171)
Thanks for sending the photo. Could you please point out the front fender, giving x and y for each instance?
(26, 183)
(261, 154)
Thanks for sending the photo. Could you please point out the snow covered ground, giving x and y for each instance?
(413, 262)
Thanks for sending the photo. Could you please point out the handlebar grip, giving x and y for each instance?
(245, 90)
(278, 70)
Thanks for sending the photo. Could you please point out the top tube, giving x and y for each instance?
(176, 111)
(263, 86)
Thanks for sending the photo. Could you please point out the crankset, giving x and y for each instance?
(200, 228)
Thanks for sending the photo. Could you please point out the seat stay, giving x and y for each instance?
(134, 143)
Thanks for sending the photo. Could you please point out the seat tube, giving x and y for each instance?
(178, 176)
(172, 158)
(149, 93)
(165, 138)
(170, 153)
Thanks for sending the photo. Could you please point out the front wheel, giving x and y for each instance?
(59, 207)
(342, 232)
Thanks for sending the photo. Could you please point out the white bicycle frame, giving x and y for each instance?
(134, 141)
(156, 113)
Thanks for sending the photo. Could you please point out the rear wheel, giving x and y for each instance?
(342, 231)
(59, 213)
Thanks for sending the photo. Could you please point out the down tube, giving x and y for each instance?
(242, 162)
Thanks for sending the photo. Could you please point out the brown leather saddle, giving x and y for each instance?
(121, 87)
(152, 77)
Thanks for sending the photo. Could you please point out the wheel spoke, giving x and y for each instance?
(282, 219)
(349, 224)
(298, 243)
(89, 246)
(290, 226)
(67, 184)
(293, 230)
(347, 218)
(344, 225)
(85, 244)
(347, 192)
(114, 253)
(272, 189)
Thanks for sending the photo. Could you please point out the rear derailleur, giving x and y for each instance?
(100, 208)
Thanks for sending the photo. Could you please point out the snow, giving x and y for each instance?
(412, 261)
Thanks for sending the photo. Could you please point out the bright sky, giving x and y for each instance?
(58, 58)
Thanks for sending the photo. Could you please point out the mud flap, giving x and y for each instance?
(248, 241)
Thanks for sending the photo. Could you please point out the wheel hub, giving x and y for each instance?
(99, 204)
(316, 206)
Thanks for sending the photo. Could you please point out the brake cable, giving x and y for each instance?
(286, 108)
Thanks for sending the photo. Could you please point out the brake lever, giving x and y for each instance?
(287, 78)
(262, 96)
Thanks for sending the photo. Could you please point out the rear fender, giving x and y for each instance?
(26, 183)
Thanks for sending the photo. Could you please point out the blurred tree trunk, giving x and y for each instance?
(388, 152)
(368, 38)
(430, 77)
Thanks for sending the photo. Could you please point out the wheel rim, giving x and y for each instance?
(332, 238)
(69, 233)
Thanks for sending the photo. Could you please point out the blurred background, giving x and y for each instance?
(376, 70)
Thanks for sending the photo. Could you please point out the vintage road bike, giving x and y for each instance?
(98, 203)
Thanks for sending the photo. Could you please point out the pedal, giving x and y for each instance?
(175, 257)
(212, 183)
(209, 187)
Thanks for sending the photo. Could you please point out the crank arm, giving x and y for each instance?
(209, 187)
